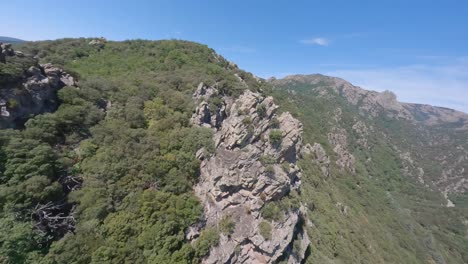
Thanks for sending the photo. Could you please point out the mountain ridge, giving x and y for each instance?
(437, 115)
(10, 39)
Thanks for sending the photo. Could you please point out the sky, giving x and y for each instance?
(417, 49)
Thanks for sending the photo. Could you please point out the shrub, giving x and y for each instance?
(274, 123)
(242, 112)
(261, 110)
(267, 160)
(297, 247)
(270, 169)
(276, 136)
(265, 229)
(208, 238)
(12, 103)
(247, 121)
(271, 211)
(227, 225)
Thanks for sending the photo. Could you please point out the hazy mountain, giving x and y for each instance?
(10, 40)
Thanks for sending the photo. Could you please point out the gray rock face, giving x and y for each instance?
(203, 115)
(338, 138)
(36, 94)
(363, 133)
(246, 171)
(320, 155)
(5, 50)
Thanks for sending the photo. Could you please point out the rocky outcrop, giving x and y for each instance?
(254, 163)
(35, 92)
(362, 132)
(409, 167)
(338, 138)
(5, 50)
(320, 157)
(99, 42)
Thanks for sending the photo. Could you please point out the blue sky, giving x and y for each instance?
(418, 49)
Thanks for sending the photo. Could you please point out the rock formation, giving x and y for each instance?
(338, 138)
(250, 167)
(321, 157)
(35, 91)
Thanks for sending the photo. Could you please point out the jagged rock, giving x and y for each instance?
(204, 116)
(4, 112)
(241, 80)
(57, 75)
(94, 42)
(235, 183)
(363, 133)
(39, 87)
(5, 50)
(345, 159)
(100, 42)
(321, 157)
(19, 54)
(5, 46)
(338, 138)
(204, 92)
(303, 242)
(34, 71)
(232, 65)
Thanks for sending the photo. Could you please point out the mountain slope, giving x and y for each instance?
(165, 152)
(426, 133)
(386, 203)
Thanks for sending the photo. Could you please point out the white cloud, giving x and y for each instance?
(316, 41)
(441, 85)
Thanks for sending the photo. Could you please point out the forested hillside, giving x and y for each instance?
(119, 166)
(107, 178)
(381, 202)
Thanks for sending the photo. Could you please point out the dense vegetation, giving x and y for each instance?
(375, 215)
(108, 177)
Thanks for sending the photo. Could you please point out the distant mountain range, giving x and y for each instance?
(10, 40)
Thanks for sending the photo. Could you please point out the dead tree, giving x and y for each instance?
(53, 220)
